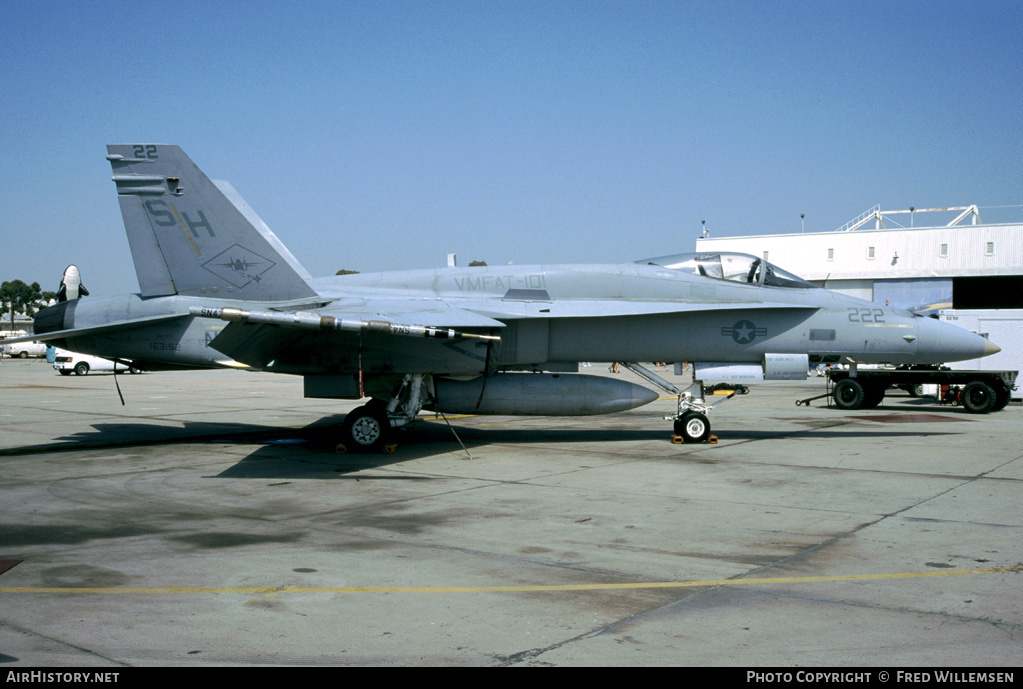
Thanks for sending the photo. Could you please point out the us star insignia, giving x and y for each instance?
(744, 332)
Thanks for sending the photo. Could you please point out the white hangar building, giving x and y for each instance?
(966, 271)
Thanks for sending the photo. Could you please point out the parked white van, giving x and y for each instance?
(25, 349)
(67, 362)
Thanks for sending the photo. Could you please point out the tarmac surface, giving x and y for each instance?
(209, 521)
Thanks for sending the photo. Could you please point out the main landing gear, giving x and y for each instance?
(366, 428)
(369, 428)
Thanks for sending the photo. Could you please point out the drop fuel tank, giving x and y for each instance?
(538, 394)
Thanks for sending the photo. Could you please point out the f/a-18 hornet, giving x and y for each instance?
(218, 289)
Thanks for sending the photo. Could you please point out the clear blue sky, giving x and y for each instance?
(374, 135)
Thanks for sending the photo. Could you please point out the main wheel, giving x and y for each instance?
(978, 397)
(848, 394)
(693, 426)
(366, 428)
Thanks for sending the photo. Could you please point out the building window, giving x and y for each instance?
(989, 249)
(831, 254)
(870, 253)
(943, 252)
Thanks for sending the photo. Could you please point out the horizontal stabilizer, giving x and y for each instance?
(96, 329)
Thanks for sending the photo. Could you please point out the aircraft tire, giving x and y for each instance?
(693, 427)
(848, 394)
(81, 369)
(978, 397)
(365, 429)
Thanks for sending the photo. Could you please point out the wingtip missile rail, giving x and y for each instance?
(315, 321)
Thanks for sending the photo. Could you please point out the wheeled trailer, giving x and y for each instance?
(978, 392)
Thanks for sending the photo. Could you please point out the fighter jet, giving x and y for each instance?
(218, 289)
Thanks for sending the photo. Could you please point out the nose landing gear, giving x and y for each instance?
(691, 424)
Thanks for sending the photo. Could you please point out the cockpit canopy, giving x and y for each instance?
(734, 267)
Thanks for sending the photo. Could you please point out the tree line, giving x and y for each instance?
(18, 297)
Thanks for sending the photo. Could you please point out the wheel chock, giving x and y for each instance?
(680, 440)
(340, 449)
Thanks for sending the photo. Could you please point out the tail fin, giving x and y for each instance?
(194, 237)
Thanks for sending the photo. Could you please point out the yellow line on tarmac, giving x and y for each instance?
(265, 590)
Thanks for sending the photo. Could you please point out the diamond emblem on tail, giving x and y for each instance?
(239, 266)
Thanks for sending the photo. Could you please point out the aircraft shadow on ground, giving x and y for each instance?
(311, 452)
(313, 456)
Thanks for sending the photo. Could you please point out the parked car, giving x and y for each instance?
(81, 364)
(25, 349)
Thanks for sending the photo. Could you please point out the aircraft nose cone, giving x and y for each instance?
(941, 342)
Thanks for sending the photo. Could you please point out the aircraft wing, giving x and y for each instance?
(427, 312)
(258, 338)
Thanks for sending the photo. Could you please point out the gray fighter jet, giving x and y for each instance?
(218, 289)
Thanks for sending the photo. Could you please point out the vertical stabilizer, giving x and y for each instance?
(192, 237)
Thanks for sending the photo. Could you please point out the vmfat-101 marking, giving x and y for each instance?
(493, 283)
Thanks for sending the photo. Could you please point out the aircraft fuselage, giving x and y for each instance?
(552, 314)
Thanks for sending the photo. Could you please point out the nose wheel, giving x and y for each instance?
(693, 427)
(691, 423)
